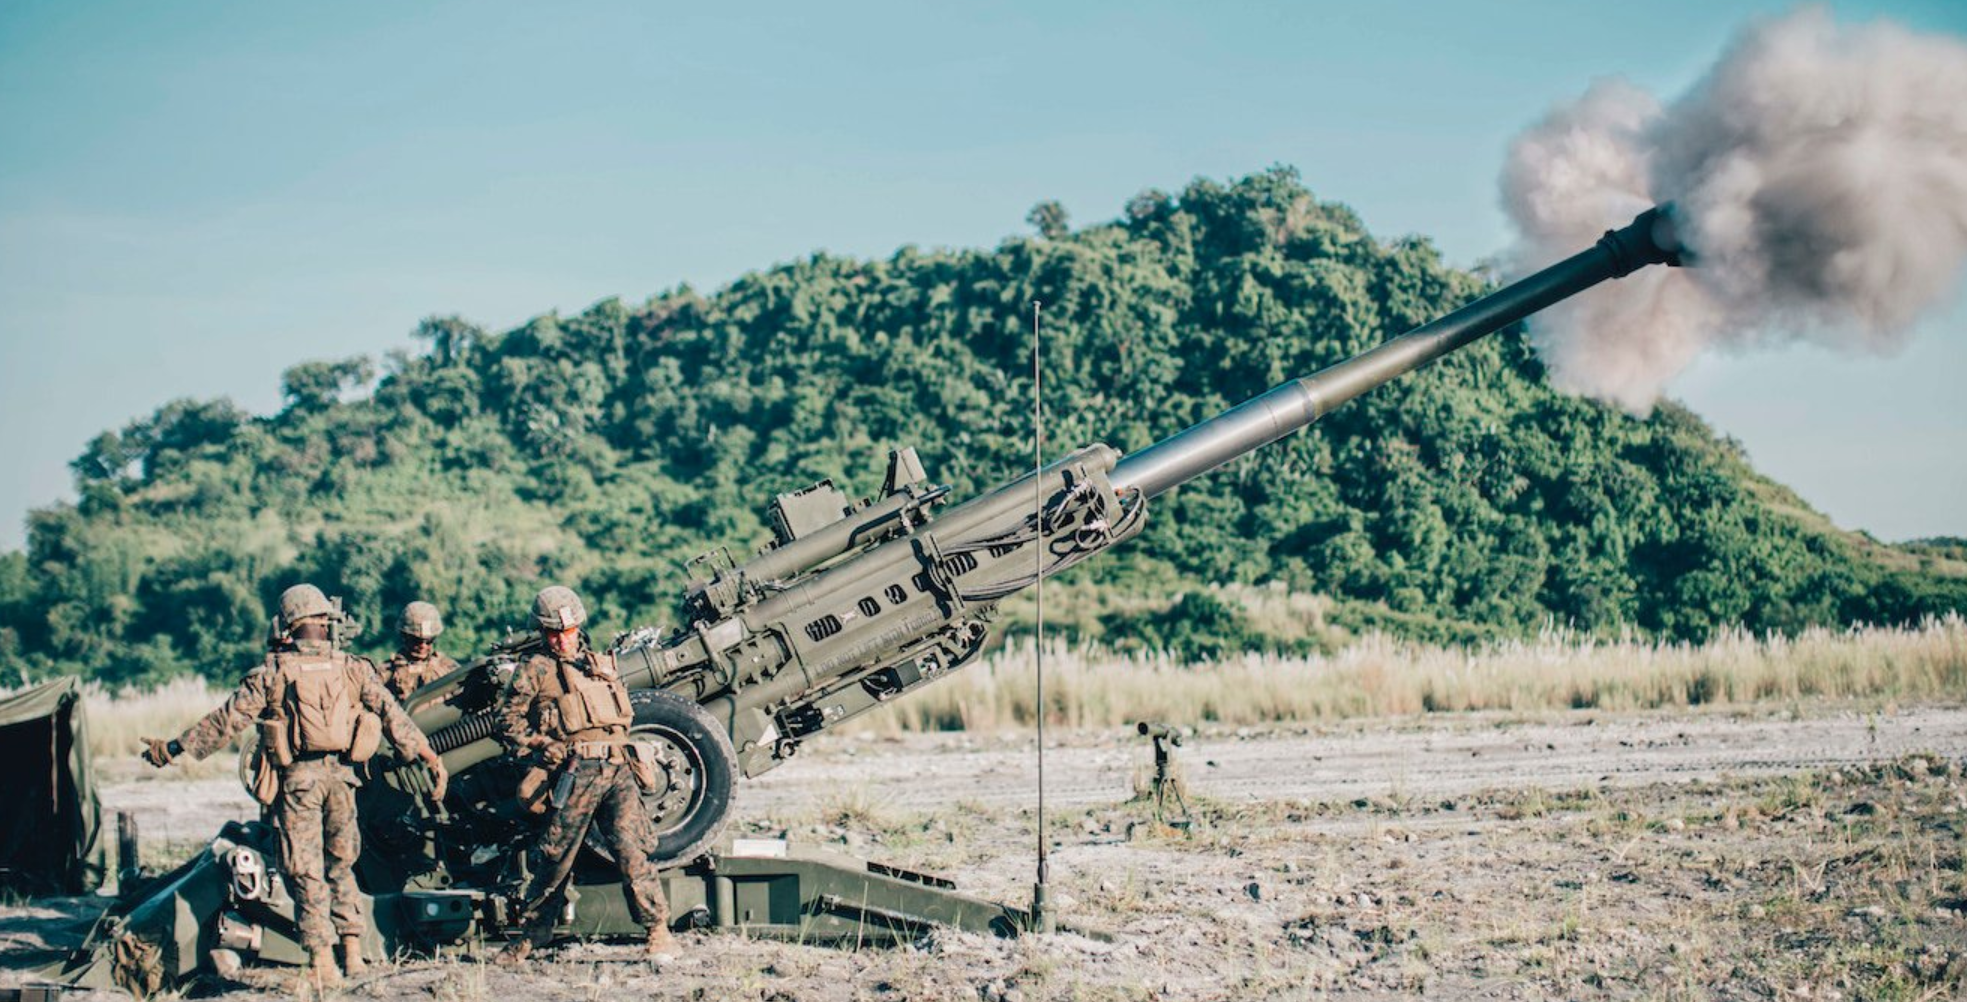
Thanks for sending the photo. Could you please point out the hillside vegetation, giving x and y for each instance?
(602, 450)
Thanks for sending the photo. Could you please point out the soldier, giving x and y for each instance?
(317, 709)
(568, 709)
(417, 662)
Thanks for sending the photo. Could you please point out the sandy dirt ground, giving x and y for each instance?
(1772, 854)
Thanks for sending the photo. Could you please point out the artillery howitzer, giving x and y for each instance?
(855, 605)
(851, 606)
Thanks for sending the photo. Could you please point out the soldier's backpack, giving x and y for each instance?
(321, 699)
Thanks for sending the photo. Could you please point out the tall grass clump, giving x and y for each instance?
(118, 718)
(1087, 685)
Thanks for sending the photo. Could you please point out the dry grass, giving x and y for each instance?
(1376, 676)
(118, 719)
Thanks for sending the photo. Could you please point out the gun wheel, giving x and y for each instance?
(692, 798)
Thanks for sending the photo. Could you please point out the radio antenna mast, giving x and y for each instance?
(1042, 919)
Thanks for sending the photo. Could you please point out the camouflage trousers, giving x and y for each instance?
(602, 793)
(318, 845)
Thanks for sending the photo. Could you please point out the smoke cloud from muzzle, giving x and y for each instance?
(1819, 174)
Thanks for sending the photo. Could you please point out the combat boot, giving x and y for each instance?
(322, 972)
(515, 952)
(351, 956)
(661, 946)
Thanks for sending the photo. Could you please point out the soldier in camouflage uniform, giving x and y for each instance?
(312, 694)
(417, 662)
(568, 710)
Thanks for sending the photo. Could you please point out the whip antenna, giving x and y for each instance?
(1041, 910)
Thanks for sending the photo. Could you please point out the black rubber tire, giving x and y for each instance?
(701, 751)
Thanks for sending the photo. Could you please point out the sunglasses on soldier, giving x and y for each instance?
(564, 641)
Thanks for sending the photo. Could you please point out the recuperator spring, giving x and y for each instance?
(473, 727)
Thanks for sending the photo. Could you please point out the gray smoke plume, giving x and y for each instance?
(1820, 177)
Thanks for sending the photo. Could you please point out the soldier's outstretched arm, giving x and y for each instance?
(214, 729)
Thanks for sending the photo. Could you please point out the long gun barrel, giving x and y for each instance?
(1179, 458)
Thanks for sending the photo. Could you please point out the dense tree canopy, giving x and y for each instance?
(602, 450)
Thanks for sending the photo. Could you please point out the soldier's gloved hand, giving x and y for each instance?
(553, 753)
(440, 778)
(159, 752)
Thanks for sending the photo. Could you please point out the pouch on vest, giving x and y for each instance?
(321, 704)
(367, 738)
(592, 702)
(534, 788)
(572, 710)
(266, 777)
(274, 746)
(617, 700)
(642, 758)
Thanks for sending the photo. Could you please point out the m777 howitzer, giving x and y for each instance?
(853, 605)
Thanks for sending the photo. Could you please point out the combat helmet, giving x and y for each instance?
(303, 602)
(558, 608)
(420, 621)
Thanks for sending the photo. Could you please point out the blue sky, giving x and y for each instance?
(195, 196)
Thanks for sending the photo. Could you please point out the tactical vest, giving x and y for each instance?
(405, 676)
(321, 700)
(590, 706)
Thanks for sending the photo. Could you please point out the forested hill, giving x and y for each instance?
(602, 450)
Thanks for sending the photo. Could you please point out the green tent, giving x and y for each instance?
(51, 831)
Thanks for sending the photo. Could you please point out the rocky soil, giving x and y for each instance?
(1812, 854)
